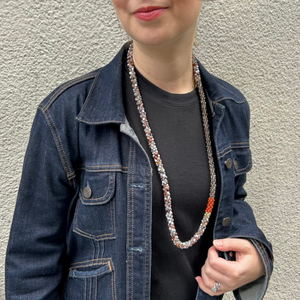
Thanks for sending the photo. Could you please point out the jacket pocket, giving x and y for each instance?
(95, 282)
(95, 210)
(242, 160)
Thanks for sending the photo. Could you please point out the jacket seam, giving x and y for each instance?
(240, 147)
(63, 153)
(104, 236)
(229, 98)
(132, 222)
(92, 166)
(70, 175)
(90, 262)
(129, 274)
(113, 282)
(102, 168)
(224, 154)
(66, 86)
(145, 234)
(237, 145)
(229, 147)
(98, 122)
(231, 92)
(149, 253)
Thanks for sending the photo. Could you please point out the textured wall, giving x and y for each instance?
(252, 44)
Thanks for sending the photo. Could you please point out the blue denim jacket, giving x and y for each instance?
(82, 223)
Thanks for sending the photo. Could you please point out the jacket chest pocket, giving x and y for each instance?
(94, 282)
(242, 160)
(95, 210)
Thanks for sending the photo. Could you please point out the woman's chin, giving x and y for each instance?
(154, 41)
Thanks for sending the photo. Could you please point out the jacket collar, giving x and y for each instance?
(104, 102)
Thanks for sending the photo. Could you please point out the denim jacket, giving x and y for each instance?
(82, 222)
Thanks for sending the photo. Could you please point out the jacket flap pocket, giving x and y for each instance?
(97, 188)
(242, 160)
(95, 281)
(91, 271)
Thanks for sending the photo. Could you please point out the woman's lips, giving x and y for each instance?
(149, 13)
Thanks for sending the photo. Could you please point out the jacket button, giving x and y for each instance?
(228, 163)
(87, 192)
(236, 165)
(226, 222)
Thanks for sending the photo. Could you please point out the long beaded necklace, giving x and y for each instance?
(158, 160)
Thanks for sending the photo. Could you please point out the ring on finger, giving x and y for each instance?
(216, 287)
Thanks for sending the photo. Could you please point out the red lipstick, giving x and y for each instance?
(149, 13)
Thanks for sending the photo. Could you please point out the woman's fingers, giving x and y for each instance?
(210, 277)
(208, 290)
(248, 265)
(230, 274)
(210, 274)
(217, 267)
(207, 280)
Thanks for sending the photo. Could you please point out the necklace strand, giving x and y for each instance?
(158, 160)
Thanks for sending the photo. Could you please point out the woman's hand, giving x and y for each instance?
(231, 275)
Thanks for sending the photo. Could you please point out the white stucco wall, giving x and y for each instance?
(254, 45)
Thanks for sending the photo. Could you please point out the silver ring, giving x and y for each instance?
(216, 287)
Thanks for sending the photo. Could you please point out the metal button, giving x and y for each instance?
(87, 192)
(228, 163)
(236, 165)
(226, 222)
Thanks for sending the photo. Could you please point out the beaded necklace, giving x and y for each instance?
(158, 160)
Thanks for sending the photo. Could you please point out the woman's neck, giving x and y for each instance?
(169, 67)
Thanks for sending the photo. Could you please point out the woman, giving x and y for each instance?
(110, 207)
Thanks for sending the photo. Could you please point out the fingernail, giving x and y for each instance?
(218, 243)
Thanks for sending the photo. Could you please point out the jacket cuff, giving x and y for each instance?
(257, 289)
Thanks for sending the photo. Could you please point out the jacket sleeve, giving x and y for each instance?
(36, 249)
(243, 214)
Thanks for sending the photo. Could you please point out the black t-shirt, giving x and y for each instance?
(176, 124)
